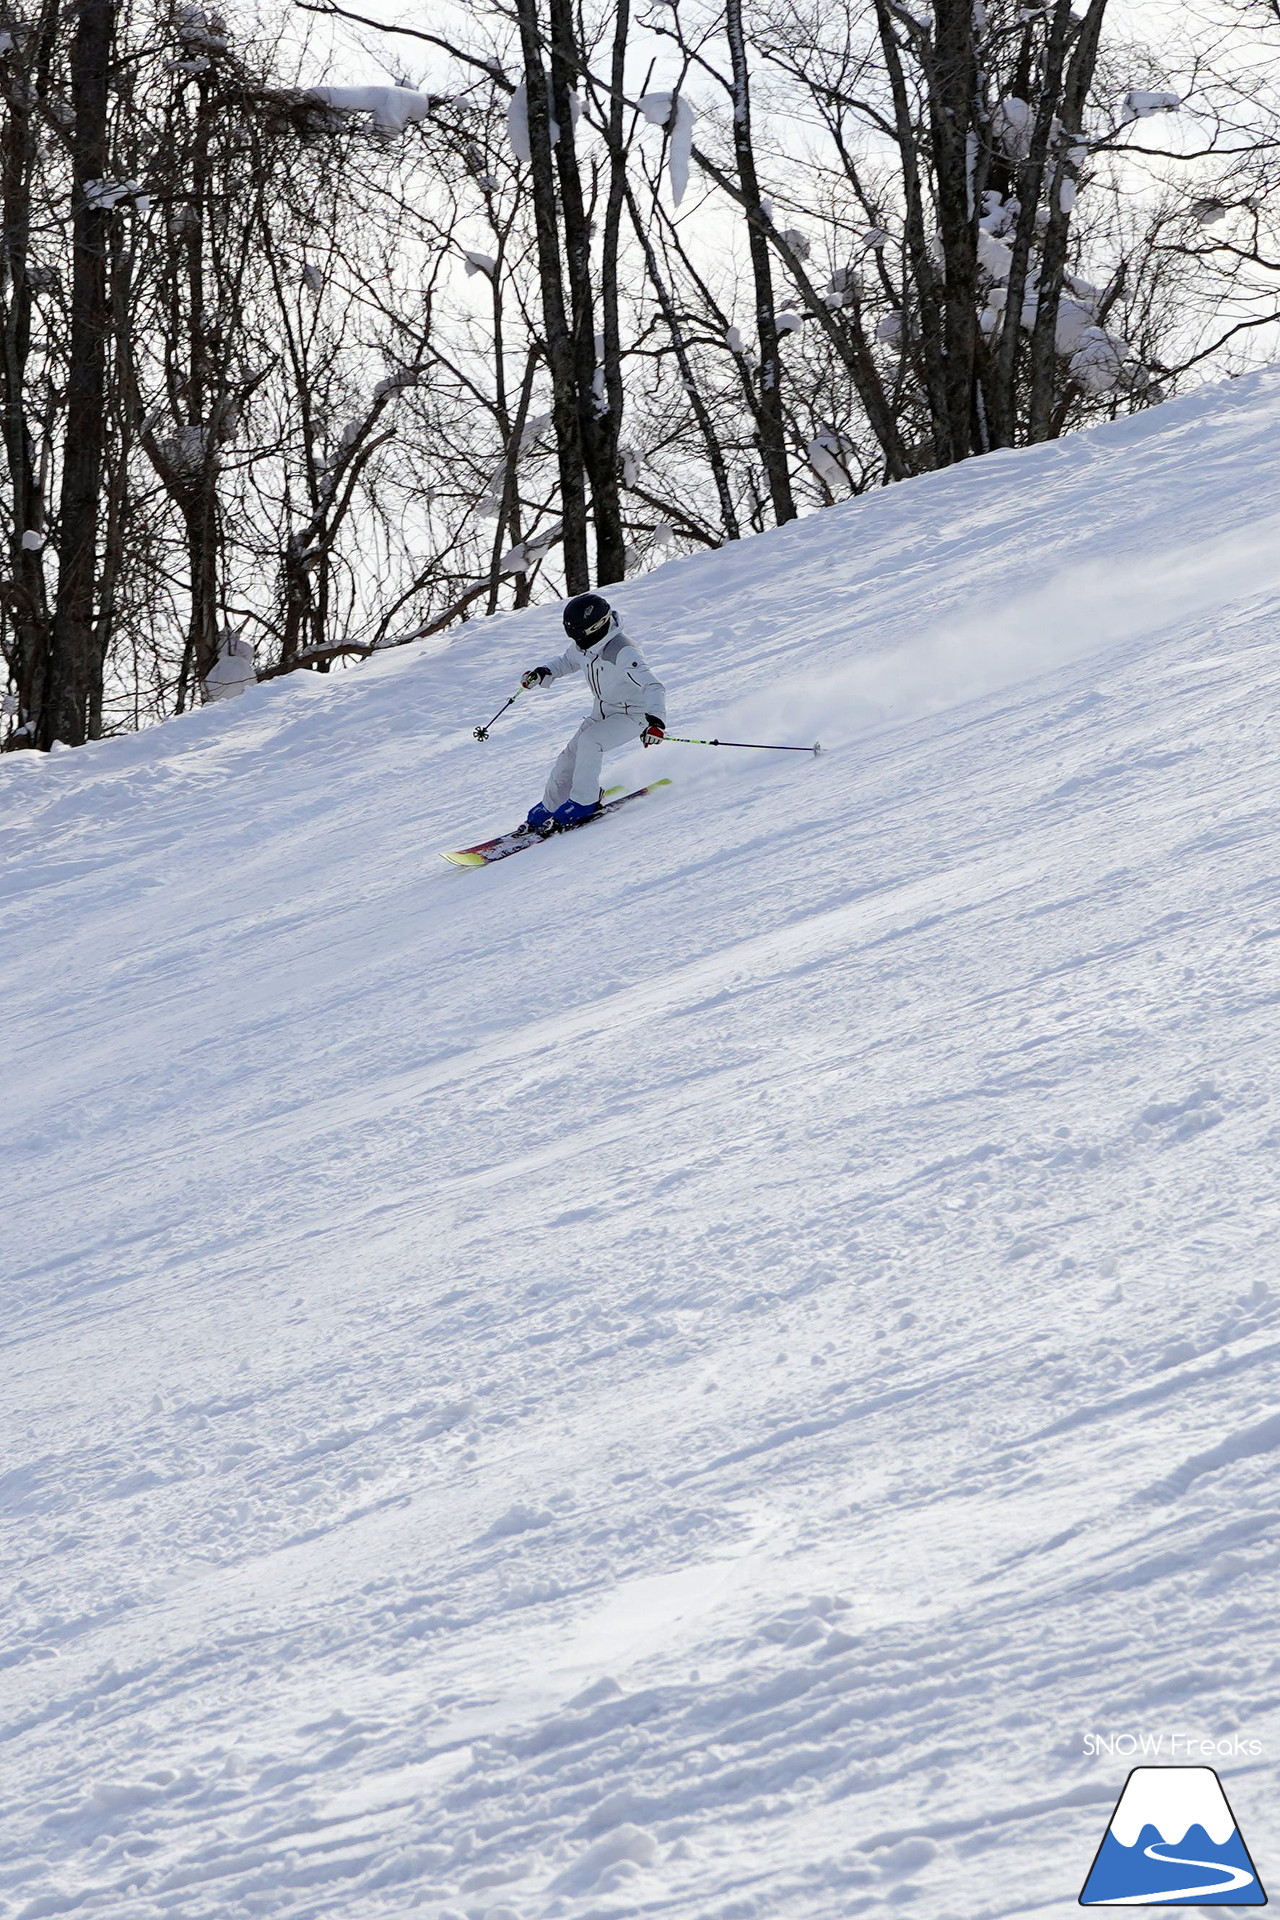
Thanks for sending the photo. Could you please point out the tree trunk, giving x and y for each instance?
(200, 524)
(951, 95)
(510, 519)
(75, 662)
(116, 492)
(200, 509)
(1053, 254)
(598, 444)
(926, 345)
(25, 596)
(560, 349)
(1027, 183)
(609, 419)
(773, 443)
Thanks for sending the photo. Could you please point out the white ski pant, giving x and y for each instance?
(576, 774)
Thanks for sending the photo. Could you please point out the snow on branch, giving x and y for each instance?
(824, 452)
(392, 108)
(518, 120)
(518, 124)
(233, 672)
(1101, 362)
(104, 196)
(1012, 123)
(526, 554)
(1141, 106)
(673, 113)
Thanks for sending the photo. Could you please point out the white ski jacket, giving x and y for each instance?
(619, 679)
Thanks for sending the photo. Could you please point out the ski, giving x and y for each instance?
(505, 844)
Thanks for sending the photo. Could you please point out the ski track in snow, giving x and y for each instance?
(684, 1373)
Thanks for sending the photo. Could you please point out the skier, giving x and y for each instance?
(629, 703)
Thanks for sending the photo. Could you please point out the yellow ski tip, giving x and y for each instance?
(464, 859)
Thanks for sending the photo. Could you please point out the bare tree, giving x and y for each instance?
(25, 139)
(71, 707)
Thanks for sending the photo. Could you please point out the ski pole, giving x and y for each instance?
(761, 746)
(482, 733)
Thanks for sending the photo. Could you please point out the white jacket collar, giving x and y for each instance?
(612, 628)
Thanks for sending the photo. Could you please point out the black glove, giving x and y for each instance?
(536, 676)
(655, 731)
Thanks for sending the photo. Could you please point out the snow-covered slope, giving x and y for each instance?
(687, 1372)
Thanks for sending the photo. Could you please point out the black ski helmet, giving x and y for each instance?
(586, 619)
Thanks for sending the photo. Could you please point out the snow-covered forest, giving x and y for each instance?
(299, 363)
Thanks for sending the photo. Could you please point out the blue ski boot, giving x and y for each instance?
(574, 812)
(539, 820)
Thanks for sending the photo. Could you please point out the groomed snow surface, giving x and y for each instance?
(684, 1373)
